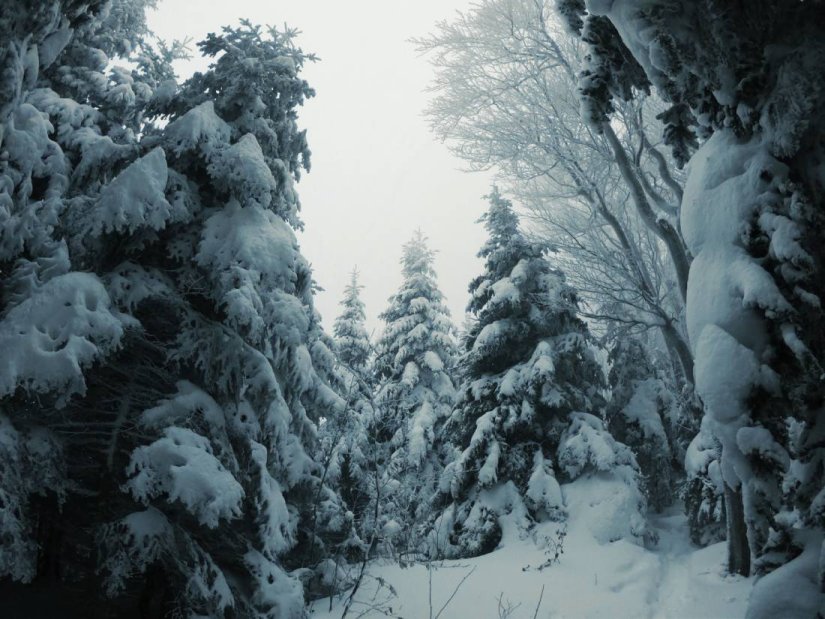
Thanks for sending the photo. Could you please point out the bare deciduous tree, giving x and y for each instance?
(607, 198)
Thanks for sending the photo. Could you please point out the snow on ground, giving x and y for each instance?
(614, 580)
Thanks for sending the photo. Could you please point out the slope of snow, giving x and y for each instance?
(591, 580)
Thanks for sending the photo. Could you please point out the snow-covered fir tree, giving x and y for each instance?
(57, 319)
(415, 357)
(530, 398)
(246, 333)
(352, 463)
(640, 414)
(162, 363)
(352, 342)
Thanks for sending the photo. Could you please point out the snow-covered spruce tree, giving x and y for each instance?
(415, 357)
(704, 489)
(57, 318)
(352, 342)
(351, 460)
(751, 217)
(530, 398)
(167, 392)
(641, 414)
(246, 337)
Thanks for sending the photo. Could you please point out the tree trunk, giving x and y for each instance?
(660, 227)
(739, 554)
(677, 346)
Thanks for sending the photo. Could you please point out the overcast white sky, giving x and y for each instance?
(378, 173)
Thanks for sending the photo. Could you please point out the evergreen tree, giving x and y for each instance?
(247, 335)
(160, 350)
(641, 414)
(703, 490)
(57, 316)
(415, 357)
(530, 386)
(352, 457)
(352, 341)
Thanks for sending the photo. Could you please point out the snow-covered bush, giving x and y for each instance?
(587, 450)
(640, 414)
(703, 491)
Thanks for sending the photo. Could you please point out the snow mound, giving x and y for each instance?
(793, 590)
(606, 507)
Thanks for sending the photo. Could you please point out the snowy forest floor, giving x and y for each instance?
(614, 580)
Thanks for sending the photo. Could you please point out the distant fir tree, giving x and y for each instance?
(163, 367)
(415, 358)
(641, 414)
(704, 489)
(530, 389)
(352, 463)
(352, 342)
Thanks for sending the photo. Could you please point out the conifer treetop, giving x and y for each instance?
(417, 318)
(351, 337)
